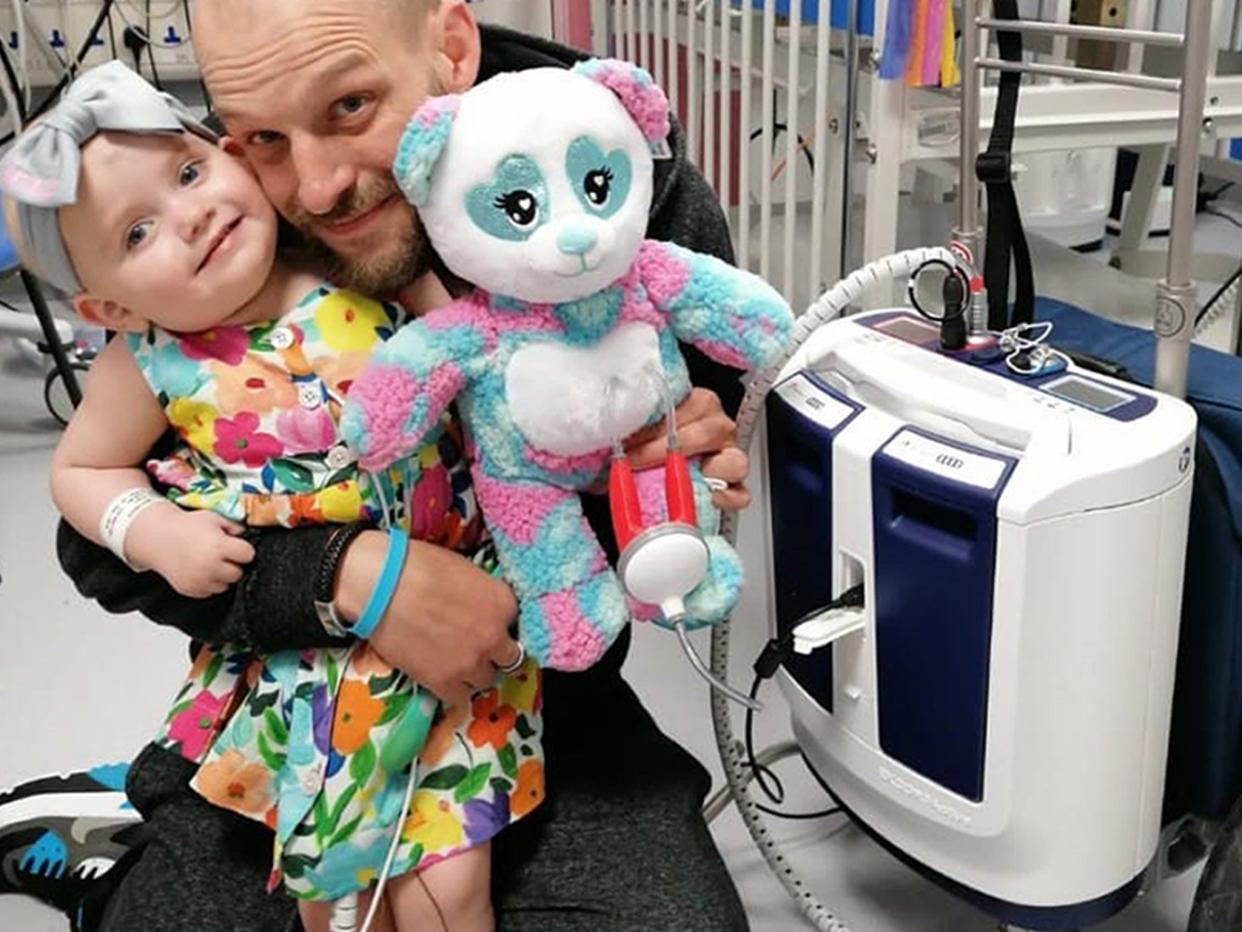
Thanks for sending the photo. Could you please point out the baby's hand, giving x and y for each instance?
(197, 552)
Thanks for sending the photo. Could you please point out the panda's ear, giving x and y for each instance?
(421, 145)
(640, 95)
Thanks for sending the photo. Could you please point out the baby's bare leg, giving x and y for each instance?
(317, 916)
(451, 896)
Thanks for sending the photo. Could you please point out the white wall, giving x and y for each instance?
(531, 16)
(1173, 15)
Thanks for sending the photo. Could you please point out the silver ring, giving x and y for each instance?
(516, 664)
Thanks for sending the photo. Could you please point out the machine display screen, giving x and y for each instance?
(911, 331)
(1089, 394)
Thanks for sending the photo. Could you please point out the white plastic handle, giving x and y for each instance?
(916, 392)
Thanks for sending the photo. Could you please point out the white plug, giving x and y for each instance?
(823, 629)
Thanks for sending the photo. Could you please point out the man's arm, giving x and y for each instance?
(687, 213)
(271, 608)
(447, 625)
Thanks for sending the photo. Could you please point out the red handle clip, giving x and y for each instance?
(678, 490)
(627, 512)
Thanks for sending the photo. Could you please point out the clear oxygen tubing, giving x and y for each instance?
(827, 308)
(345, 909)
(717, 683)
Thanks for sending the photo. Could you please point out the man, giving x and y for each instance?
(315, 94)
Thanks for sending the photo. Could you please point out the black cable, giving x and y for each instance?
(54, 94)
(770, 658)
(1223, 216)
(1237, 347)
(760, 771)
(19, 94)
(952, 271)
(1217, 296)
(111, 35)
(155, 73)
(777, 129)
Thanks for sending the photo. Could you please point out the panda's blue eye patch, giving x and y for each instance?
(600, 180)
(514, 204)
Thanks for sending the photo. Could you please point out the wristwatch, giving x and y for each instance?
(325, 575)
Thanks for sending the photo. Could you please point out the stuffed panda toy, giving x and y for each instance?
(535, 187)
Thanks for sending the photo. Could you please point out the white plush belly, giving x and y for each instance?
(572, 400)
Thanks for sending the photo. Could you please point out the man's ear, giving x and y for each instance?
(458, 47)
(107, 314)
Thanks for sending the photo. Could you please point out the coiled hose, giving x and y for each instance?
(736, 769)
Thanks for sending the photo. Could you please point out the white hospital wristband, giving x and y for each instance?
(120, 514)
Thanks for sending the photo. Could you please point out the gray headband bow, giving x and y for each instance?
(40, 173)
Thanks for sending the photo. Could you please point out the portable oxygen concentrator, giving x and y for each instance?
(999, 718)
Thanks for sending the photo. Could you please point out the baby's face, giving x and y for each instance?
(170, 227)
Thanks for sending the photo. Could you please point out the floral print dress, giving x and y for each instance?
(295, 739)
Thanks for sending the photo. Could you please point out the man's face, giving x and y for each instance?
(316, 94)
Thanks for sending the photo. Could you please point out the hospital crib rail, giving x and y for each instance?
(785, 168)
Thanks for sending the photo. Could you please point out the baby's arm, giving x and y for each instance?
(119, 419)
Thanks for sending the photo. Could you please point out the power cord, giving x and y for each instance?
(1220, 292)
(155, 72)
(17, 99)
(54, 94)
(137, 41)
(1229, 218)
(1206, 199)
(774, 653)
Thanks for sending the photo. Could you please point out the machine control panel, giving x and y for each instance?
(1089, 394)
(1065, 393)
(909, 330)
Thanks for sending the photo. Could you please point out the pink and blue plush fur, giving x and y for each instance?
(580, 286)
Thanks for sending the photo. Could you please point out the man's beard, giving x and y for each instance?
(383, 274)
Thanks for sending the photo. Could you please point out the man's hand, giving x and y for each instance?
(425, 293)
(447, 626)
(197, 552)
(705, 430)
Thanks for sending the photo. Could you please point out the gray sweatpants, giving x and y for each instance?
(618, 846)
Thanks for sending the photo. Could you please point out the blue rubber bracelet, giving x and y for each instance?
(385, 586)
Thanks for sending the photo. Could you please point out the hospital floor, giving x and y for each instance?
(79, 687)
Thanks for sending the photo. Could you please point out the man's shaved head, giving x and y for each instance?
(315, 94)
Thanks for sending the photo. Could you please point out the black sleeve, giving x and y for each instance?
(270, 609)
(688, 214)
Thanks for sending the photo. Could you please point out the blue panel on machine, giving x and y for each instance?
(935, 559)
(804, 414)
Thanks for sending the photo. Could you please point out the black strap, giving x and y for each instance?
(1005, 238)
